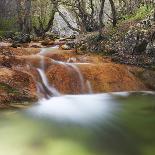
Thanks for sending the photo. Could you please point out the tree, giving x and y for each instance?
(114, 14)
(24, 15)
(85, 14)
(44, 13)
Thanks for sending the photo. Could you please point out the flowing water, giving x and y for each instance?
(69, 66)
(91, 124)
(101, 124)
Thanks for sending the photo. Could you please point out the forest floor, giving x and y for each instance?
(131, 42)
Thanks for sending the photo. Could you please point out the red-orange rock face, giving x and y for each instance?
(100, 78)
(19, 76)
(16, 86)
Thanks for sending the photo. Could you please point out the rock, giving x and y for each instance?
(72, 60)
(35, 45)
(5, 44)
(60, 42)
(65, 47)
(16, 86)
(106, 77)
(9, 34)
(19, 77)
(22, 38)
(48, 43)
(18, 51)
(148, 78)
(140, 47)
(71, 44)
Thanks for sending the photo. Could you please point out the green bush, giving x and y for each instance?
(140, 13)
(2, 33)
(8, 24)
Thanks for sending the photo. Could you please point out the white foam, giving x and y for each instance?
(82, 109)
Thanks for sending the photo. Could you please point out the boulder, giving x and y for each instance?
(65, 47)
(48, 42)
(16, 86)
(107, 77)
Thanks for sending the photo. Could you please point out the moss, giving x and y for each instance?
(2, 33)
(8, 24)
(139, 14)
(8, 89)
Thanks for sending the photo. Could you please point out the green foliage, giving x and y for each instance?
(8, 89)
(41, 12)
(2, 33)
(140, 13)
(8, 24)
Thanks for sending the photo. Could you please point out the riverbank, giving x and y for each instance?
(65, 71)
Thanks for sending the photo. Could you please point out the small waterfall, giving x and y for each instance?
(89, 87)
(49, 49)
(44, 86)
(79, 74)
(50, 91)
(47, 90)
(81, 79)
(84, 86)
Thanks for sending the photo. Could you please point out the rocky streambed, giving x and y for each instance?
(28, 74)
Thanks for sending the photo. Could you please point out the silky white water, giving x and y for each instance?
(82, 109)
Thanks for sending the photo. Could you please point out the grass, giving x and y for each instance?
(8, 89)
(140, 13)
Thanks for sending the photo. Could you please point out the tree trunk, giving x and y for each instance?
(113, 9)
(101, 24)
(24, 15)
(27, 18)
(41, 30)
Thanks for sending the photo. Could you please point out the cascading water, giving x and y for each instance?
(89, 124)
(85, 87)
(74, 108)
(50, 91)
(81, 79)
(44, 86)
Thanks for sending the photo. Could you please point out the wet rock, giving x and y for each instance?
(65, 47)
(5, 44)
(81, 74)
(9, 35)
(18, 51)
(48, 42)
(148, 78)
(35, 45)
(21, 40)
(64, 78)
(106, 77)
(16, 86)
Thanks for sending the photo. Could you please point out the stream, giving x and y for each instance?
(120, 123)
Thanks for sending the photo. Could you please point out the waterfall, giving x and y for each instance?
(46, 89)
(81, 79)
(49, 90)
(44, 86)
(90, 90)
(85, 87)
(49, 49)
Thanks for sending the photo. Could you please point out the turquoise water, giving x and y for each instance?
(102, 124)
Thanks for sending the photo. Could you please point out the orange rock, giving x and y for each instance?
(16, 86)
(109, 77)
(106, 77)
(19, 51)
(48, 43)
(18, 72)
